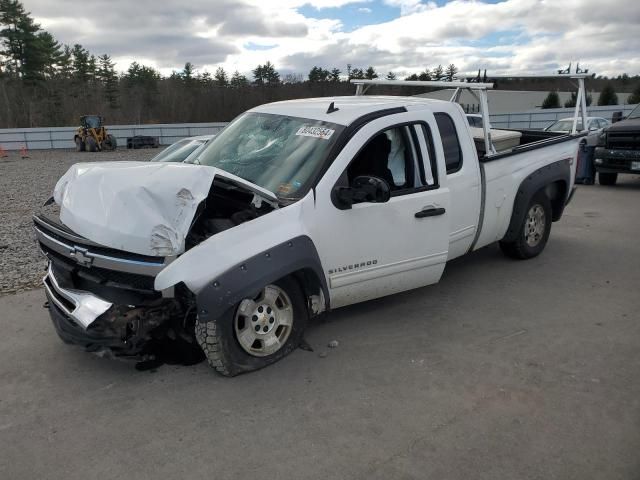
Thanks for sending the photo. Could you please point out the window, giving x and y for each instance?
(450, 143)
(388, 155)
(428, 166)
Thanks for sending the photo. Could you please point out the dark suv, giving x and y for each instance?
(618, 149)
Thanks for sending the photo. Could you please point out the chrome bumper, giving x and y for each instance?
(88, 254)
(82, 307)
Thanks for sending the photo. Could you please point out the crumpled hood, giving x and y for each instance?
(139, 207)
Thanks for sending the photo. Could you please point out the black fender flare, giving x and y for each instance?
(541, 178)
(245, 279)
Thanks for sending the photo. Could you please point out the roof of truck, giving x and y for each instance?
(349, 108)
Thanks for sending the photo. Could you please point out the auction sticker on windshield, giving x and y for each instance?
(315, 132)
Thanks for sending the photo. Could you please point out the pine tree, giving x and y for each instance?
(52, 54)
(574, 97)
(335, 75)
(272, 77)
(438, 73)
(370, 73)
(552, 101)
(635, 95)
(220, 77)
(424, 76)
(357, 74)
(237, 80)
(22, 49)
(80, 62)
(106, 74)
(65, 64)
(451, 72)
(607, 95)
(187, 73)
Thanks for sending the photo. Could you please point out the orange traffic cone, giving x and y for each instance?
(3, 153)
(24, 153)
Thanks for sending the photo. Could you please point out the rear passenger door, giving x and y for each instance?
(376, 249)
(463, 178)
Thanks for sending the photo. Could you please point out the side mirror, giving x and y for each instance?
(364, 188)
(616, 117)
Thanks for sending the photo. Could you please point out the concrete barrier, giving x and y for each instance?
(168, 133)
(62, 137)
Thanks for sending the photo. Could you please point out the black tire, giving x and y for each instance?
(223, 350)
(606, 178)
(110, 143)
(521, 248)
(79, 144)
(90, 144)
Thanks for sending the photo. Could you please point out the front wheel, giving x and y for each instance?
(607, 178)
(257, 331)
(90, 144)
(110, 143)
(534, 230)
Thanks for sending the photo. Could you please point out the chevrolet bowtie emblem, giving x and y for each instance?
(82, 256)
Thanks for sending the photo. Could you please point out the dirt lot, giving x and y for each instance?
(504, 370)
(25, 184)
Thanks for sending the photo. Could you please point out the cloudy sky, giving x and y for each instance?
(403, 36)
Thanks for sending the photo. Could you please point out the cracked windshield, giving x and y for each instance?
(278, 153)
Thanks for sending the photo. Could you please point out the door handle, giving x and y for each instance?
(430, 212)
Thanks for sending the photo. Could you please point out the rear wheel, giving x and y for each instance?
(606, 178)
(534, 230)
(90, 144)
(257, 331)
(79, 144)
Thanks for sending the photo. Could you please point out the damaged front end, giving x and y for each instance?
(100, 284)
(103, 299)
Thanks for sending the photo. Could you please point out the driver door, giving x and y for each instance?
(375, 249)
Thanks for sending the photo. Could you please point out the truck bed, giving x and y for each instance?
(504, 171)
(529, 140)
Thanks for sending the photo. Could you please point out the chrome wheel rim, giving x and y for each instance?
(263, 324)
(534, 225)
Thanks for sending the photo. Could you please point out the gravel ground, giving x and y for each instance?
(25, 184)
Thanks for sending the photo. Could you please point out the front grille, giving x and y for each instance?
(51, 228)
(110, 278)
(623, 140)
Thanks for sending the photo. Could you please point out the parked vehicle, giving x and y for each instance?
(92, 136)
(618, 149)
(182, 149)
(594, 127)
(295, 208)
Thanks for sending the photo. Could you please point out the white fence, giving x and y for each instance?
(539, 119)
(62, 137)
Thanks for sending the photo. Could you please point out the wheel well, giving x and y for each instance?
(311, 285)
(557, 193)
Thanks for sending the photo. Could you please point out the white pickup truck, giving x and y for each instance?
(295, 208)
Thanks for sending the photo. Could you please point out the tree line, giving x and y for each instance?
(46, 83)
(607, 97)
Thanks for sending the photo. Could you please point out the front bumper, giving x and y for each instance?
(81, 308)
(83, 318)
(617, 160)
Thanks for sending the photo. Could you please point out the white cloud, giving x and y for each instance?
(365, 10)
(513, 36)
